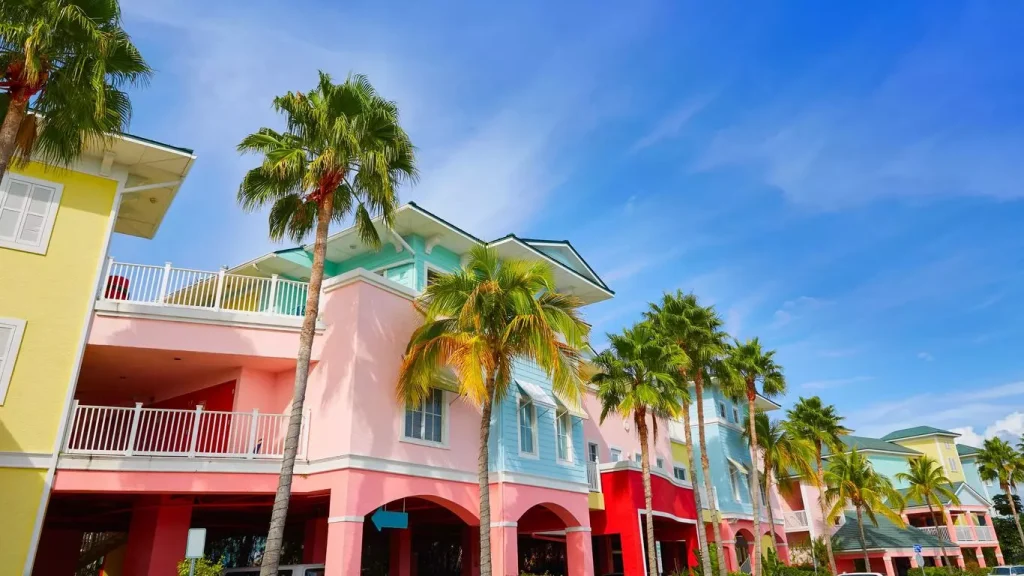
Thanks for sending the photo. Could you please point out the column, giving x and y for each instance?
(400, 561)
(344, 545)
(157, 535)
(578, 553)
(972, 524)
(633, 559)
(58, 552)
(314, 544)
(471, 551)
(504, 549)
(980, 555)
(889, 570)
(732, 563)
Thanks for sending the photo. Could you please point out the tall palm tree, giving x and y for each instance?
(998, 461)
(478, 321)
(750, 365)
(70, 60)
(929, 484)
(821, 426)
(850, 480)
(343, 154)
(637, 379)
(698, 331)
(782, 454)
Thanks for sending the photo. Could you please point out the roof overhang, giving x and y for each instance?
(535, 393)
(567, 279)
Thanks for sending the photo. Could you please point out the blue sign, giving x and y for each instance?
(387, 519)
(917, 548)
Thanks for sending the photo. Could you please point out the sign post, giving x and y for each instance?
(918, 558)
(194, 547)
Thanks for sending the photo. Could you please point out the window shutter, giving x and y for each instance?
(11, 330)
(27, 211)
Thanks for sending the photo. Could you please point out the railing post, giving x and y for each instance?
(71, 425)
(220, 289)
(163, 283)
(106, 279)
(195, 432)
(304, 444)
(273, 294)
(133, 432)
(251, 448)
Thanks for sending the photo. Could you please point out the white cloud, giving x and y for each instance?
(834, 383)
(671, 124)
(1009, 427)
(925, 356)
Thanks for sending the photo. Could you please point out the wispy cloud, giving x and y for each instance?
(925, 356)
(670, 125)
(834, 383)
(796, 308)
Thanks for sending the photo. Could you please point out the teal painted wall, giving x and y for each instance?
(408, 269)
(724, 438)
(973, 478)
(889, 466)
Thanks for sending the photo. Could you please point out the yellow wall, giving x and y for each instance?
(681, 455)
(52, 293)
(936, 448)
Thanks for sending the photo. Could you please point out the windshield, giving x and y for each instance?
(1001, 571)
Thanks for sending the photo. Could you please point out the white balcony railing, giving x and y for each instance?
(964, 534)
(138, 431)
(796, 520)
(985, 533)
(185, 288)
(940, 532)
(593, 477)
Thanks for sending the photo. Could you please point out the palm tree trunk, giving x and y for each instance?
(863, 541)
(1013, 508)
(942, 546)
(645, 467)
(483, 477)
(827, 536)
(705, 465)
(17, 109)
(755, 488)
(767, 496)
(702, 540)
(275, 536)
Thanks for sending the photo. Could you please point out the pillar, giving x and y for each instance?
(634, 561)
(471, 551)
(314, 543)
(400, 561)
(578, 553)
(344, 545)
(980, 555)
(782, 549)
(732, 563)
(157, 535)
(58, 552)
(889, 570)
(504, 549)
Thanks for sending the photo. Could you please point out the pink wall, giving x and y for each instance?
(613, 433)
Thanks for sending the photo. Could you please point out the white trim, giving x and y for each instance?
(370, 463)
(218, 317)
(358, 274)
(569, 448)
(430, 243)
(69, 397)
(391, 265)
(504, 524)
(950, 435)
(614, 449)
(739, 466)
(630, 465)
(10, 356)
(154, 186)
(577, 529)
(24, 460)
(539, 481)
(156, 145)
(399, 243)
(443, 443)
(595, 284)
(51, 214)
(169, 464)
(427, 268)
(716, 420)
(353, 519)
(535, 452)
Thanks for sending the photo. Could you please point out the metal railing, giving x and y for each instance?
(984, 533)
(138, 431)
(186, 288)
(940, 532)
(797, 519)
(964, 534)
(593, 477)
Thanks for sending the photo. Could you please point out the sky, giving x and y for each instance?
(843, 181)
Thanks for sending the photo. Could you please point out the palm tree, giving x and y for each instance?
(697, 330)
(69, 60)
(929, 484)
(637, 378)
(821, 426)
(850, 480)
(749, 365)
(478, 321)
(782, 453)
(343, 154)
(998, 461)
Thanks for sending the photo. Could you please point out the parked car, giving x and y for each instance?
(1007, 571)
(294, 570)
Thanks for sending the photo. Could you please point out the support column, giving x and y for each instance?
(471, 551)
(58, 552)
(634, 561)
(504, 549)
(889, 570)
(578, 551)
(732, 563)
(980, 555)
(344, 545)
(400, 561)
(157, 535)
(314, 544)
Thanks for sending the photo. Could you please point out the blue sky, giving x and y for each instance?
(843, 181)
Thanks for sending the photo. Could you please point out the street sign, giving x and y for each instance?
(917, 548)
(196, 543)
(387, 519)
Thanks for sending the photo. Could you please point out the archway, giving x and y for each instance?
(744, 542)
(419, 535)
(550, 540)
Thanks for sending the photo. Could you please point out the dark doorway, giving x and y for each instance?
(901, 566)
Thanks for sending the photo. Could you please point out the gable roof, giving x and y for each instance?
(966, 451)
(918, 431)
(960, 490)
(885, 535)
(865, 444)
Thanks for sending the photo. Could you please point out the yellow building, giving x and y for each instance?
(939, 445)
(55, 228)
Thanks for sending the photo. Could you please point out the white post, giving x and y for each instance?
(195, 431)
(136, 414)
(71, 426)
(163, 283)
(273, 294)
(597, 469)
(306, 419)
(252, 433)
(220, 289)
(106, 279)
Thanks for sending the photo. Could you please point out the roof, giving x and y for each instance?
(865, 444)
(917, 431)
(885, 535)
(958, 488)
(964, 450)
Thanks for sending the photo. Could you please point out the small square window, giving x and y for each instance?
(432, 275)
(721, 410)
(735, 414)
(679, 473)
(616, 455)
(659, 462)
(28, 208)
(638, 457)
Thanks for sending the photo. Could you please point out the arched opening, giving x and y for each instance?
(419, 535)
(744, 542)
(542, 540)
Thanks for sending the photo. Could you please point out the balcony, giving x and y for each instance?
(165, 432)
(593, 477)
(796, 521)
(940, 532)
(984, 534)
(166, 290)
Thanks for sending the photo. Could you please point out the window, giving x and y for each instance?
(679, 473)
(721, 410)
(563, 433)
(28, 208)
(11, 330)
(426, 421)
(735, 414)
(639, 458)
(432, 275)
(616, 454)
(734, 481)
(952, 464)
(527, 427)
(593, 452)
(659, 462)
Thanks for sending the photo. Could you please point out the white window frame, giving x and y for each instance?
(615, 454)
(524, 401)
(721, 410)
(382, 270)
(736, 414)
(676, 474)
(568, 436)
(48, 222)
(638, 457)
(659, 462)
(427, 268)
(593, 455)
(10, 356)
(444, 425)
(952, 465)
(734, 482)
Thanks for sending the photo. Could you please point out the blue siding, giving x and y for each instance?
(889, 466)
(724, 441)
(974, 479)
(411, 268)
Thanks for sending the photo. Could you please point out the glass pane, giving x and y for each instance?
(437, 430)
(314, 572)
(417, 424)
(6, 333)
(17, 193)
(8, 223)
(32, 229)
(408, 422)
(40, 203)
